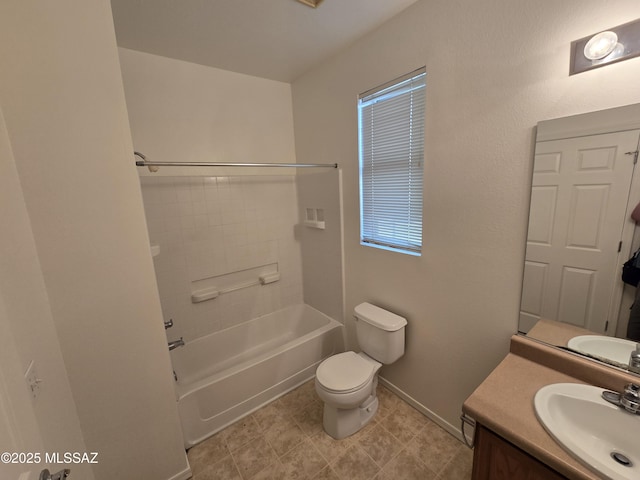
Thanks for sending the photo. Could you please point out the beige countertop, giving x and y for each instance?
(504, 403)
(556, 333)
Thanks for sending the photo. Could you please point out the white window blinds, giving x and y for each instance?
(391, 135)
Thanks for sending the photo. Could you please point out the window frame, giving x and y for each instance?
(375, 231)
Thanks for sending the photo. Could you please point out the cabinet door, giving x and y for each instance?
(496, 459)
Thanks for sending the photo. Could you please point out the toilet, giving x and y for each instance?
(347, 382)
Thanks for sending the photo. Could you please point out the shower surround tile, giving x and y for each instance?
(284, 440)
(209, 227)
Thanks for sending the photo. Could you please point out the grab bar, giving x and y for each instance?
(213, 292)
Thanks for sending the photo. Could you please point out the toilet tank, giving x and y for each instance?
(380, 333)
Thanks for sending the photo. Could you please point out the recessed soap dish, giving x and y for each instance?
(314, 218)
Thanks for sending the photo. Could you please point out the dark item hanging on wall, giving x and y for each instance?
(631, 270)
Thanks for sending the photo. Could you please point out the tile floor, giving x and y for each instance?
(284, 440)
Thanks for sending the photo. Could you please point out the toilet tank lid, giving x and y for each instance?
(379, 317)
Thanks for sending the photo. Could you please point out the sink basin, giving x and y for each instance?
(602, 436)
(611, 348)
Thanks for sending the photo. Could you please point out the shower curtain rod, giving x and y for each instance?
(141, 163)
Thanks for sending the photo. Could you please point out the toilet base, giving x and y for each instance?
(340, 423)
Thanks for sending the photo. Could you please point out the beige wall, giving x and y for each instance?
(494, 69)
(322, 267)
(63, 101)
(48, 423)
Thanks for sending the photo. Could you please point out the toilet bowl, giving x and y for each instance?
(346, 379)
(347, 382)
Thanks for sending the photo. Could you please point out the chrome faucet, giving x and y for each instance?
(634, 360)
(629, 398)
(176, 343)
(168, 324)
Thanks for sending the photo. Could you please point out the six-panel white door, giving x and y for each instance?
(578, 203)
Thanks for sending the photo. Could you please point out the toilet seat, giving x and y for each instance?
(345, 372)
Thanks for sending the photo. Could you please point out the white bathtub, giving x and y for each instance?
(228, 374)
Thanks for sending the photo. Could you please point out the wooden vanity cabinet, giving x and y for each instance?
(494, 458)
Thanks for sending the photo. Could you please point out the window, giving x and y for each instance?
(391, 142)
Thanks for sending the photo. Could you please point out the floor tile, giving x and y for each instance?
(309, 418)
(434, 447)
(302, 462)
(300, 397)
(240, 433)
(459, 467)
(271, 414)
(403, 421)
(329, 447)
(207, 453)
(254, 457)
(273, 471)
(380, 445)
(387, 402)
(363, 432)
(285, 440)
(399, 425)
(355, 464)
(326, 473)
(224, 469)
(284, 436)
(406, 466)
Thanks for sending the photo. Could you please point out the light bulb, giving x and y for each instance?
(600, 45)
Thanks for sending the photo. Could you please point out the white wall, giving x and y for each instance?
(494, 69)
(66, 118)
(184, 112)
(48, 423)
(223, 228)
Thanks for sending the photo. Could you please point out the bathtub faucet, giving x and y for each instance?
(176, 343)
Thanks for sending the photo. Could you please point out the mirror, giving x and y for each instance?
(585, 185)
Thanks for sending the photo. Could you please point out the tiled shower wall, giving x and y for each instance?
(209, 228)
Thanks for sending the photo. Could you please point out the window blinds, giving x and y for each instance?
(391, 128)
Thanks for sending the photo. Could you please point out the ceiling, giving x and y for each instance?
(275, 39)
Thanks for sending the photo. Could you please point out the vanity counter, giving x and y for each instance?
(504, 404)
(556, 333)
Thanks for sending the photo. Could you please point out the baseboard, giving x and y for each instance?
(183, 475)
(455, 431)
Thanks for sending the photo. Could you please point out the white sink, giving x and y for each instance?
(611, 348)
(591, 429)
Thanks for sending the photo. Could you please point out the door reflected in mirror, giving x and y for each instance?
(585, 186)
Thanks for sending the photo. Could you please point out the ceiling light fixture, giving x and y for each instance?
(311, 3)
(600, 45)
(613, 45)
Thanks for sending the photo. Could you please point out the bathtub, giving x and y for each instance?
(229, 374)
